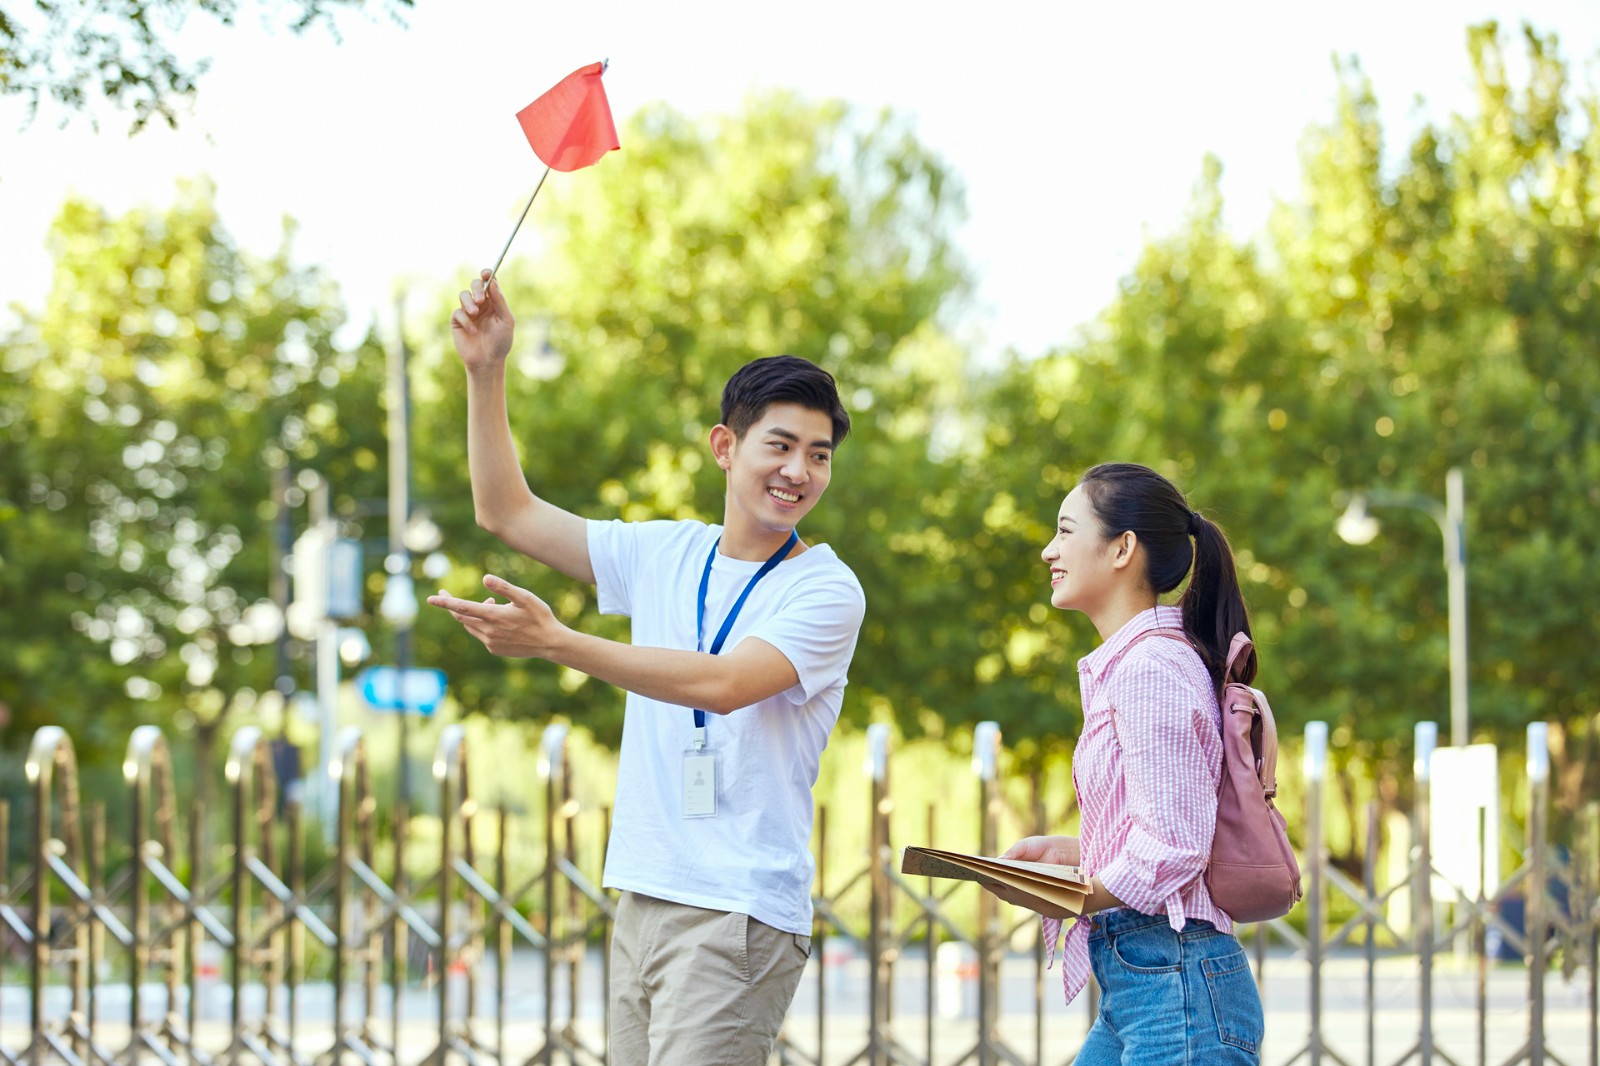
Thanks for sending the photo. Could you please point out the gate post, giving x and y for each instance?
(249, 775)
(152, 804)
(1427, 737)
(351, 792)
(1538, 804)
(552, 749)
(986, 764)
(50, 753)
(878, 928)
(1316, 769)
(455, 812)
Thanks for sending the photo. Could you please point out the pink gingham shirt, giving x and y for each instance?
(1146, 783)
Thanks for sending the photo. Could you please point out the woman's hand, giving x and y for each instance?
(1059, 851)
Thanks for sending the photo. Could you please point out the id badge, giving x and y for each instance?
(699, 784)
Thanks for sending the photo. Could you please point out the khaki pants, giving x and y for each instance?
(692, 987)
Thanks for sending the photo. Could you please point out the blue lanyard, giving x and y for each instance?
(727, 623)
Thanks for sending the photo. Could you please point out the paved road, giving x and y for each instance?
(844, 993)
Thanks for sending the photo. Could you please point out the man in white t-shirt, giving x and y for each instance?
(742, 637)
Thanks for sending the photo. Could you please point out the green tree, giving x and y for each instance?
(1448, 310)
(75, 52)
(142, 412)
(1404, 316)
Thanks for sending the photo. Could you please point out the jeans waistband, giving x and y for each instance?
(1122, 920)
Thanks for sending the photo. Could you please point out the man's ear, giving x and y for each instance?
(1126, 545)
(722, 441)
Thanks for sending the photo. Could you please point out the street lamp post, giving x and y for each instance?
(278, 587)
(399, 595)
(1357, 526)
(410, 534)
(319, 565)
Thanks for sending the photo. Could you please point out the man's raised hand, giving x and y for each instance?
(482, 326)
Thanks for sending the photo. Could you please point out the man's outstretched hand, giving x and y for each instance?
(523, 627)
(482, 326)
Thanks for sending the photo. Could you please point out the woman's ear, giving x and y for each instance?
(722, 440)
(1125, 547)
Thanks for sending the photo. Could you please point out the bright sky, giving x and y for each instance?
(1077, 128)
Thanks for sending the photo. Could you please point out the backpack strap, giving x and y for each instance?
(1241, 698)
(1240, 653)
(1268, 765)
(1171, 634)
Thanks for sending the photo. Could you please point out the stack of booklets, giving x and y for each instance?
(1063, 886)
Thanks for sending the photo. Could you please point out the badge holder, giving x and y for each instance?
(699, 778)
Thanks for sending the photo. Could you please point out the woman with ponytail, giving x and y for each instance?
(1176, 985)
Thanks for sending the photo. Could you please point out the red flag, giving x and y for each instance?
(570, 126)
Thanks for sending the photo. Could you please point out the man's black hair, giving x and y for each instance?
(761, 383)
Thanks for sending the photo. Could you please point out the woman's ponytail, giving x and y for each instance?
(1213, 605)
(1177, 542)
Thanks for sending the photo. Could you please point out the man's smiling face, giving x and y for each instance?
(779, 469)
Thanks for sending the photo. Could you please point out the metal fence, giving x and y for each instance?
(463, 965)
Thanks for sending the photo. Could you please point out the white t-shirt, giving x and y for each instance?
(753, 856)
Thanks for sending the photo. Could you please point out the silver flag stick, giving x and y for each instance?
(514, 229)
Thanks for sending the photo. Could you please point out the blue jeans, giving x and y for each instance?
(1168, 997)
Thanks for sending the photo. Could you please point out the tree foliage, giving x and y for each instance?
(1410, 311)
(142, 412)
(75, 52)
(1403, 317)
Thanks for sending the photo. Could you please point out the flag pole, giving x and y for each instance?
(605, 65)
(514, 229)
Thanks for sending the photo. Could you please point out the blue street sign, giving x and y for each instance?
(386, 688)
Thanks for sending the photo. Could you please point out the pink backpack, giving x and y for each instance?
(1252, 874)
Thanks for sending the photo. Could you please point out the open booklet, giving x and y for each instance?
(1064, 886)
